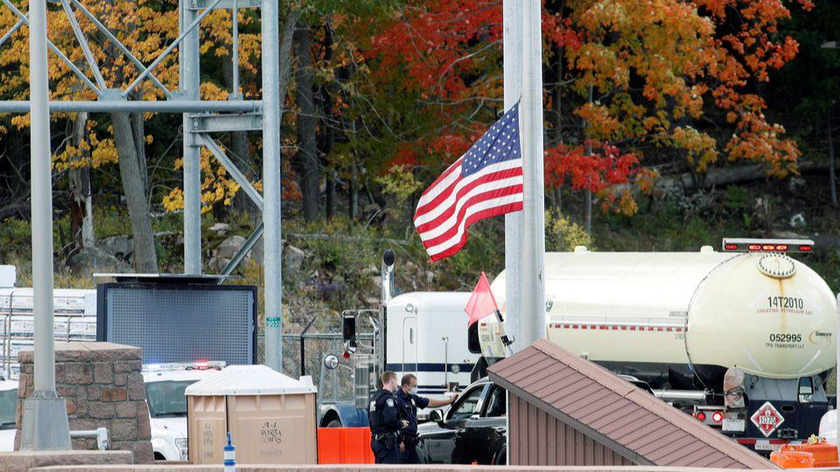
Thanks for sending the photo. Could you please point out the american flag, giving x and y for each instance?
(485, 182)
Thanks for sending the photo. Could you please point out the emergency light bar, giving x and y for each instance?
(768, 245)
(200, 365)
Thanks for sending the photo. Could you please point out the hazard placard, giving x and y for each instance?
(767, 419)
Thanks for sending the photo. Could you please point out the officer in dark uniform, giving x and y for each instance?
(385, 422)
(409, 402)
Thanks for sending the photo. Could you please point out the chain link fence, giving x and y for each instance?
(304, 354)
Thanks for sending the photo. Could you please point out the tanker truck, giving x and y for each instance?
(685, 322)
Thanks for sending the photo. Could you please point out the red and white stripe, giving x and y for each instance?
(453, 203)
(620, 327)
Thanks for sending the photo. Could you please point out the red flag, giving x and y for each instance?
(481, 303)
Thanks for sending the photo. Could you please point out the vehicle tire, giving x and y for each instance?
(500, 458)
(334, 423)
(421, 453)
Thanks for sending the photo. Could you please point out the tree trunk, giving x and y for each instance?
(132, 173)
(81, 200)
(558, 97)
(307, 155)
(241, 150)
(354, 193)
(329, 124)
(138, 135)
(831, 169)
(588, 199)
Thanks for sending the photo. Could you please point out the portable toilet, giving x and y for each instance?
(271, 417)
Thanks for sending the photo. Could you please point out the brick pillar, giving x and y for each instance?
(103, 386)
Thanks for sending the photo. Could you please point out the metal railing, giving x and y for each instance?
(18, 323)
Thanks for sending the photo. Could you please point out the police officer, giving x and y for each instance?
(385, 422)
(409, 402)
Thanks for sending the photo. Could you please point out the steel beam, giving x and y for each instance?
(54, 49)
(244, 250)
(226, 4)
(119, 45)
(190, 31)
(163, 106)
(11, 32)
(234, 171)
(217, 123)
(45, 424)
(190, 87)
(234, 19)
(80, 37)
(272, 101)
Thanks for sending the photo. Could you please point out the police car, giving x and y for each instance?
(165, 385)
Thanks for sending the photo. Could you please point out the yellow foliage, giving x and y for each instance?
(562, 234)
(700, 149)
(399, 182)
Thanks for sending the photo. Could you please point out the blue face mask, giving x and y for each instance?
(413, 391)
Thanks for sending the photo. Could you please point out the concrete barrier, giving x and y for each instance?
(364, 468)
(20, 461)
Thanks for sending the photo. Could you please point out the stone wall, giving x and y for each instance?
(103, 386)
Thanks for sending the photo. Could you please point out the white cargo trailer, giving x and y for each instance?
(680, 321)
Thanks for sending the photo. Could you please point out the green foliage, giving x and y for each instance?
(562, 234)
(737, 197)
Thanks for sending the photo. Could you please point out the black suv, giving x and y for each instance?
(474, 429)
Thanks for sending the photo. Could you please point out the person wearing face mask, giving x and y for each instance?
(409, 402)
(385, 422)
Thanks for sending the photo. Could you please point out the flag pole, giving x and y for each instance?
(533, 234)
(512, 40)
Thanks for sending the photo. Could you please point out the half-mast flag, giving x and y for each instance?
(481, 302)
(485, 182)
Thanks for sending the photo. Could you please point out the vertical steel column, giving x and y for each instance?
(512, 39)
(235, 51)
(533, 234)
(271, 185)
(190, 82)
(45, 424)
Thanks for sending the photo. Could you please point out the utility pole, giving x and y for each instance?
(533, 234)
(45, 425)
(512, 40)
(271, 186)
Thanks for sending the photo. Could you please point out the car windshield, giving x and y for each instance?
(167, 399)
(8, 408)
(497, 405)
(468, 404)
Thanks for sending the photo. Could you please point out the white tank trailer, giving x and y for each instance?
(680, 321)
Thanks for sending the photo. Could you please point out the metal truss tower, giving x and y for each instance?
(202, 120)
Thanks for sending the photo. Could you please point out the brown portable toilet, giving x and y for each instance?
(271, 417)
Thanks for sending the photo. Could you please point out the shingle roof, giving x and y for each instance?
(615, 412)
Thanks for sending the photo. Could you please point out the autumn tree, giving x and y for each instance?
(661, 71)
(144, 26)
